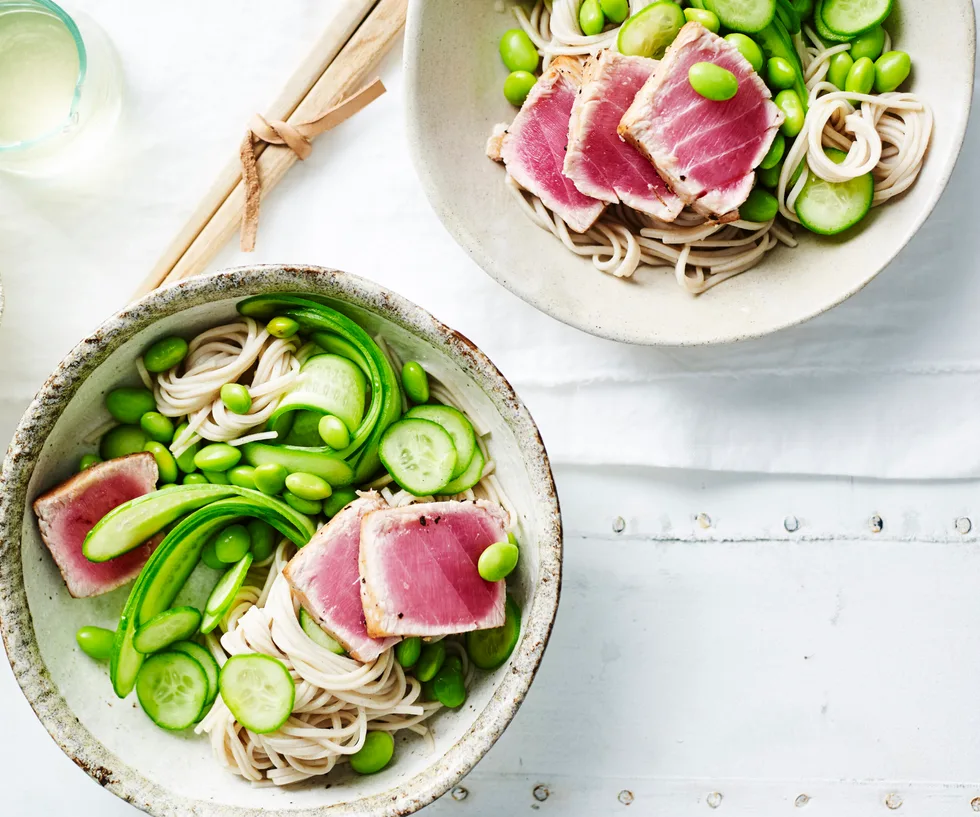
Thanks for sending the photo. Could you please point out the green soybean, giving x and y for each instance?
(407, 652)
(185, 462)
(165, 354)
(616, 11)
(840, 67)
(891, 70)
(375, 754)
(232, 543)
(157, 427)
(129, 405)
(712, 81)
(870, 44)
(340, 499)
(590, 18)
(308, 486)
(282, 327)
(121, 441)
(789, 103)
(217, 477)
(195, 479)
(518, 51)
(498, 561)
(769, 177)
(448, 686)
(95, 642)
(781, 74)
(270, 478)
(263, 538)
(88, 461)
(749, 49)
(243, 476)
(431, 659)
(209, 555)
(511, 538)
(217, 457)
(236, 398)
(166, 464)
(333, 432)
(297, 503)
(415, 382)
(707, 18)
(861, 77)
(759, 207)
(517, 86)
(775, 154)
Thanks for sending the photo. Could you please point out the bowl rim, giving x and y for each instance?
(448, 213)
(16, 626)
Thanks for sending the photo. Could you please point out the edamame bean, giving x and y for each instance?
(788, 102)
(95, 642)
(195, 479)
(448, 686)
(707, 18)
(88, 461)
(781, 74)
(210, 556)
(407, 652)
(216, 477)
(518, 51)
(308, 486)
(431, 659)
(282, 327)
(297, 503)
(263, 537)
(232, 543)
(120, 441)
(157, 427)
(415, 382)
(840, 67)
(129, 405)
(340, 499)
(749, 49)
(770, 176)
(185, 462)
(166, 464)
(498, 561)
(712, 81)
(217, 457)
(375, 754)
(511, 538)
(270, 478)
(517, 86)
(616, 11)
(333, 432)
(759, 207)
(861, 77)
(870, 44)
(590, 18)
(236, 398)
(165, 354)
(243, 476)
(775, 154)
(891, 70)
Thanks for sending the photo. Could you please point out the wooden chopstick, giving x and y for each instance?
(356, 42)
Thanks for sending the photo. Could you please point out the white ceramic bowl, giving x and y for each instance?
(168, 774)
(454, 77)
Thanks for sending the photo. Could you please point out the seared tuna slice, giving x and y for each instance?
(67, 513)
(419, 568)
(324, 577)
(598, 161)
(706, 151)
(534, 147)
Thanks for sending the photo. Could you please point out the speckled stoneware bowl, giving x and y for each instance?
(169, 774)
(453, 82)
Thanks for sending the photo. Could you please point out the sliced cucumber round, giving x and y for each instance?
(172, 689)
(829, 208)
(419, 455)
(328, 384)
(650, 32)
(826, 34)
(224, 592)
(747, 16)
(316, 633)
(470, 477)
(489, 649)
(459, 428)
(258, 690)
(208, 664)
(167, 627)
(848, 18)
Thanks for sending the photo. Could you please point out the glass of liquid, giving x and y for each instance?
(60, 87)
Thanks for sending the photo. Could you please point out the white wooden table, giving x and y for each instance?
(754, 645)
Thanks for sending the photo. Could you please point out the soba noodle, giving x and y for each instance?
(887, 136)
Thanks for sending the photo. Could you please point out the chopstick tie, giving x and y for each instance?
(298, 138)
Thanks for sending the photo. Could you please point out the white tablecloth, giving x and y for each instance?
(885, 385)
